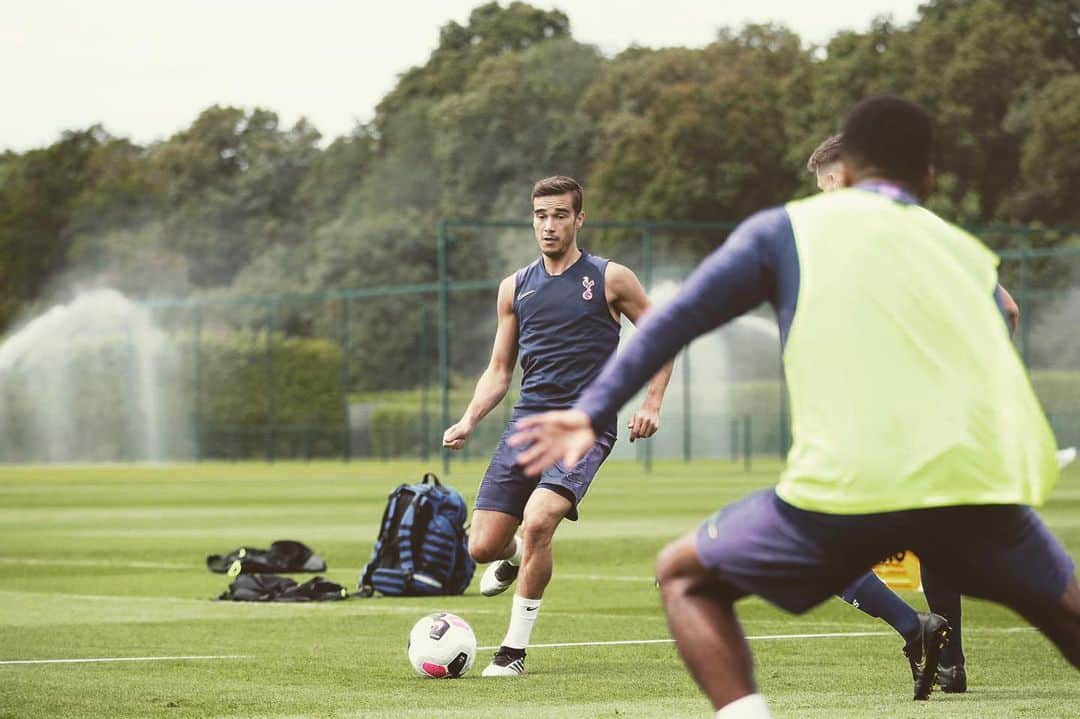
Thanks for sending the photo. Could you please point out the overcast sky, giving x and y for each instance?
(145, 68)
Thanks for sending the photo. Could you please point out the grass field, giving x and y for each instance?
(108, 562)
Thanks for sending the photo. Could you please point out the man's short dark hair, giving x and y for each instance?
(560, 185)
(826, 153)
(890, 136)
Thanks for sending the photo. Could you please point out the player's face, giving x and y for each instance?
(556, 224)
(830, 177)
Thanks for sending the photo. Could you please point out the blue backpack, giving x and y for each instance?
(423, 547)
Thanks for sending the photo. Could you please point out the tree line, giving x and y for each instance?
(238, 202)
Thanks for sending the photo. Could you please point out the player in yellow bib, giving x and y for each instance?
(914, 424)
(868, 593)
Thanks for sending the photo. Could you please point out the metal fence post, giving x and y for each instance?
(733, 440)
(1025, 324)
(271, 403)
(747, 442)
(346, 380)
(198, 383)
(425, 428)
(444, 338)
(647, 271)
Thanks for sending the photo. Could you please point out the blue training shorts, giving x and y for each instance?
(796, 559)
(505, 488)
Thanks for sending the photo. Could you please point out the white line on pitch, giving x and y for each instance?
(759, 637)
(605, 578)
(107, 597)
(669, 641)
(95, 563)
(101, 660)
(136, 564)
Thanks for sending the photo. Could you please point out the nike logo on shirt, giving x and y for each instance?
(523, 295)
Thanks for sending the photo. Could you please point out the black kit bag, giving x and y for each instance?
(272, 588)
(283, 556)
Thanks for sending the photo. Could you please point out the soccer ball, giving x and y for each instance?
(442, 646)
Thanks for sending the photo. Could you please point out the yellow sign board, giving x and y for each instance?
(900, 571)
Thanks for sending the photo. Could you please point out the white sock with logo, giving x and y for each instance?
(522, 617)
(751, 706)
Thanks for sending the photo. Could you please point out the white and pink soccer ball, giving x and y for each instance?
(442, 646)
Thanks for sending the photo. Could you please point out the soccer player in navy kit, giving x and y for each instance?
(915, 425)
(561, 314)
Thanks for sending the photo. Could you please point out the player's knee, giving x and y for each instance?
(481, 554)
(485, 548)
(667, 566)
(537, 529)
(677, 561)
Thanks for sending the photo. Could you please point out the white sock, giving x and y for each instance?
(751, 706)
(516, 558)
(522, 617)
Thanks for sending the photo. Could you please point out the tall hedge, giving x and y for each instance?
(287, 390)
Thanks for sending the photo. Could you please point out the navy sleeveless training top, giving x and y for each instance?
(565, 331)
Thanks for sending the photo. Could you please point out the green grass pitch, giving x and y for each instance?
(108, 562)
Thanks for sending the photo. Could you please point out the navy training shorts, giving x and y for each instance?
(796, 559)
(505, 488)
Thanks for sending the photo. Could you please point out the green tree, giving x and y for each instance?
(491, 31)
(514, 123)
(231, 182)
(238, 203)
(334, 172)
(389, 248)
(38, 195)
(973, 64)
(855, 64)
(1050, 161)
(402, 169)
(699, 135)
